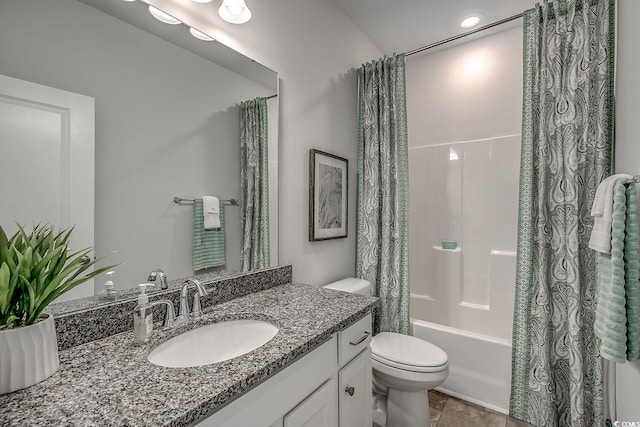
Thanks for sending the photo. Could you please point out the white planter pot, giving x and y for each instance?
(28, 355)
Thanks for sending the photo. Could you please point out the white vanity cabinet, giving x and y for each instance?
(329, 387)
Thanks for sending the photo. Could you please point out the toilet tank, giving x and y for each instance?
(352, 285)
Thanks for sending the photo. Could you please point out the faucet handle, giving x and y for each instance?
(170, 315)
(196, 309)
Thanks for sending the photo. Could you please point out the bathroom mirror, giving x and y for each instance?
(166, 124)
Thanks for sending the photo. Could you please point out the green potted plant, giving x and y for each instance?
(35, 268)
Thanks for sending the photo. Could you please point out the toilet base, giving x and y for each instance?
(408, 409)
(401, 409)
(379, 400)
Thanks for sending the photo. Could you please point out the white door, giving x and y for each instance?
(47, 151)
(320, 409)
(354, 386)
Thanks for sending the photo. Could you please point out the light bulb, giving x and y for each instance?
(200, 35)
(163, 16)
(470, 21)
(234, 11)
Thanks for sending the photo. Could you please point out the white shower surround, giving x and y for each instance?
(464, 116)
(467, 192)
(462, 300)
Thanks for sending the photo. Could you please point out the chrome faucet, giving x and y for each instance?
(157, 273)
(170, 315)
(196, 311)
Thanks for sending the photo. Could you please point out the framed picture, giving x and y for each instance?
(328, 189)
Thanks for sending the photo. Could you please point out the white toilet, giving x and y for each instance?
(404, 368)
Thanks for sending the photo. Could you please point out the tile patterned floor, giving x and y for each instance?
(447, 411)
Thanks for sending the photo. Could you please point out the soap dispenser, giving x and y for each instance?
(142, 317)
(108, 293)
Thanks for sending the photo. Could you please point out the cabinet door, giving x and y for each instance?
(320, 409)
(354, 390)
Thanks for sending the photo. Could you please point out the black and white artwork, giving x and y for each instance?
(327, 196)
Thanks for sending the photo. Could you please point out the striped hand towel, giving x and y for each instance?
(632, 273)
(618, 310)
(208, 245)
(611, 319)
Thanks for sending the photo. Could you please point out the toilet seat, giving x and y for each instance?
(407, 353)
(409, 368)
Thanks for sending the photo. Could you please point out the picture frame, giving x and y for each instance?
(328, 192)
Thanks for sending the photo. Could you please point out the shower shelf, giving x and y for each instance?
(503, 253)
(439, 248)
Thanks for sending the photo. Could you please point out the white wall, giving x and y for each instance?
(628, 161)
(166, 124)
(464, 104)
(314, 47)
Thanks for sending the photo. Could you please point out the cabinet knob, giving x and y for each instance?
(350, 390)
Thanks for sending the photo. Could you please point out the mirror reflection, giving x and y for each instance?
(107, 115)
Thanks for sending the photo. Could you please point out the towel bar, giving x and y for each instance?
(180, 200)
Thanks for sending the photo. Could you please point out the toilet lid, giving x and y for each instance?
(400, 351)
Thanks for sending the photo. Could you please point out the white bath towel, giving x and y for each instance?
(211, 212)
(602, 211)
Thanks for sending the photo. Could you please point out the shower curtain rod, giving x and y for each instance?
(459, 36)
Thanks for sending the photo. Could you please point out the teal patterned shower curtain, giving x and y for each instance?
(383, 199)
(567, 138)
(254, 185)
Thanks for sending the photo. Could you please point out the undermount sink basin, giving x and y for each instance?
(213, 343)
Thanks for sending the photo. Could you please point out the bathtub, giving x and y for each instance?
(479, 365)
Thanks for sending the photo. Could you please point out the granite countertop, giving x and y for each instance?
(109, 382)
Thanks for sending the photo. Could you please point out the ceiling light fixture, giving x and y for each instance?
(163, 16)
(202, 1)
(470, 21)
(234, 11)
(200, 35)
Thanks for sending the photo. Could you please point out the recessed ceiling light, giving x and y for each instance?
(163, 16)
(470, 21)
(200, 35)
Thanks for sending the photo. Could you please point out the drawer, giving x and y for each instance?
(354, 339)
